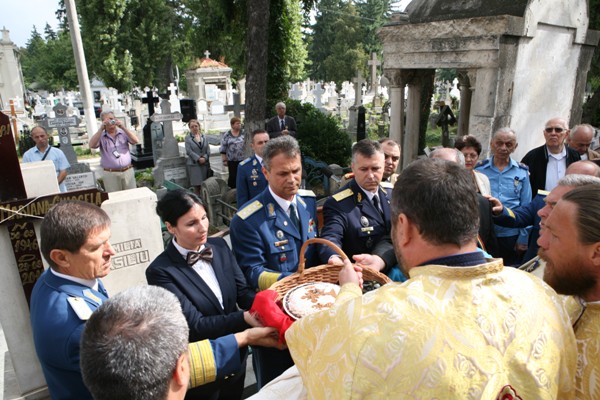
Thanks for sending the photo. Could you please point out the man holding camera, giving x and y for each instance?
(113, 139)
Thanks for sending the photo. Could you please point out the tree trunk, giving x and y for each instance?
(256, 67)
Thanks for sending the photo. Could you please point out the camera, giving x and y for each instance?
(112, 122)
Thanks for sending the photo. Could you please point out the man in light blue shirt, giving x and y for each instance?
(509, 181)
(43, 151)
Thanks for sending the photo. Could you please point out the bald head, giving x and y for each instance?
(448, 154)
(584, 168)
(580, 138)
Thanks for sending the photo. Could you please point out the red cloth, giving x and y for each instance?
(269, 311)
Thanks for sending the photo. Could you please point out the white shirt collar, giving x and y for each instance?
(369, 194)
(560, 155)
(184, 252)
(283, 203)
(259, 158)
(91, 283)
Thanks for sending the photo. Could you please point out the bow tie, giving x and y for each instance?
(194, 256)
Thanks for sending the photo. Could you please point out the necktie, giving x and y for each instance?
(376, 204)
(282, 124)
(294, 217)
(206, 254)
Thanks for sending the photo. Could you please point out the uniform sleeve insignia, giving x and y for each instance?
(543, 192)
(271, 209)
(306, 193)
(524, 166)
(249, 209)
(343, 194)
(510, 213)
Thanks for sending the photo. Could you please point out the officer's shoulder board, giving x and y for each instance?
(543, 192)
(246, 161)
(483, 163)
(386, 185)
(524, 166)
(249, 209)
(306, 193)
(343, 194)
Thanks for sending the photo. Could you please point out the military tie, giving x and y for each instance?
(294, 217)
(376, 204)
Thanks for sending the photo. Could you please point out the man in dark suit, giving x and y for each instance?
(281, 124)
(384, 258)
(250, 179)
(553, 156)
(268, 232)
(357, 216)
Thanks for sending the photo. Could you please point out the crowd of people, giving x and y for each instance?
(467, 315)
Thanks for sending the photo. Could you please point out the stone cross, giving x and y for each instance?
(173, 89)
(114, 101)
(69, 98)
(173, 98)
(237, 108)
(207, 54)
(51, 99)
(374, 63)
(296, 92)
(62, 123)
(358, 82)
(318, 92)
(170, 147)
(150, 100)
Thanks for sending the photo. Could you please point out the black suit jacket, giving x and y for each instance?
(274, 129)
(537, 161)
(206, 319)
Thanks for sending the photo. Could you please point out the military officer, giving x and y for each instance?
(391, 151)
(250, 178)
(358, 215)
(268, 232)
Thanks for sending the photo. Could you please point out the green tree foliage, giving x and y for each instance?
(107, 57)
(49, 64)
(320, 136)
(343, 37)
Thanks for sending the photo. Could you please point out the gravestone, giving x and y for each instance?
(61, 122)
(354, 110)
(295, 93)
(142, 156)
(237, 107)
(174, 98)
(374, 63)
(171, 166)
(318, 93)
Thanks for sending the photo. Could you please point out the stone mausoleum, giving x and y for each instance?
(519, 62)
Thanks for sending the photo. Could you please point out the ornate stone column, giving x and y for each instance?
(464, 85)
(396, 87)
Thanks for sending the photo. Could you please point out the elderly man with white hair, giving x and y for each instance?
(281, 124)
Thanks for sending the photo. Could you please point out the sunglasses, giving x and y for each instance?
(556, 129)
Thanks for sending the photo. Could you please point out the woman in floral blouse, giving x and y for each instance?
(232, 149)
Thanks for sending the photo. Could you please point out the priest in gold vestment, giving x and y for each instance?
(462, 327)
(570, 244)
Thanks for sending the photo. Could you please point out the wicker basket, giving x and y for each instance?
(323, 273)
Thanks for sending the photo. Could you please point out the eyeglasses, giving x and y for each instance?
(556, 129)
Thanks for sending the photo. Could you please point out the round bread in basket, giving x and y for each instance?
(323, 273)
